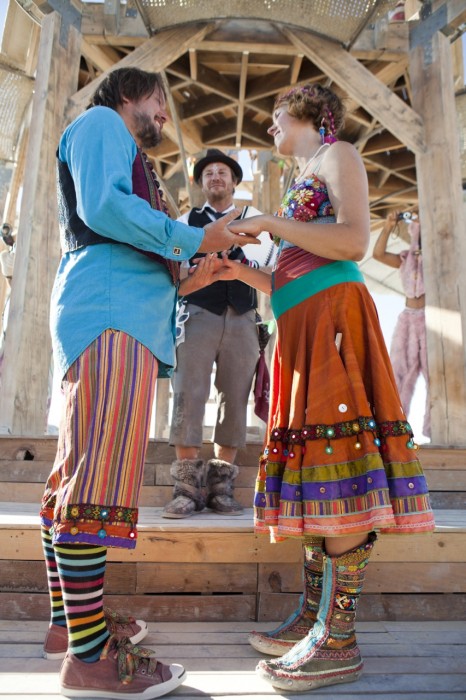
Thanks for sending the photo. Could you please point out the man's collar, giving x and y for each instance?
(224, 211)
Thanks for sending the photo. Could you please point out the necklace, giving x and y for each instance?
(301, 176)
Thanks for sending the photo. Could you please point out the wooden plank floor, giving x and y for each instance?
(26, 516)
(403, 661)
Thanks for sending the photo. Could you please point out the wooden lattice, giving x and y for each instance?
(15, 94)
(341, 20)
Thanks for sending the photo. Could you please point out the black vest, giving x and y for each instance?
(75, 234)
(219, 295)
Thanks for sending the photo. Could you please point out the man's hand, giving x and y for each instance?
(201, 274)
(218, 237)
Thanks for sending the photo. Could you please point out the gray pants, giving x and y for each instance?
(229, 340)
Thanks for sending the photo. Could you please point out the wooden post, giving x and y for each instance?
(442, 220)
(9, 215)
(26, 363)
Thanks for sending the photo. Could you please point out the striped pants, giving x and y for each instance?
(92, 493)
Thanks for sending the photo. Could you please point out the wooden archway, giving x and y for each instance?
(422, 129)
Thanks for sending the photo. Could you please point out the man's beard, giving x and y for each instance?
(146, 131)
(218, 195)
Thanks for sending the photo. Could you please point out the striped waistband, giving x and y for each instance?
(315, 281)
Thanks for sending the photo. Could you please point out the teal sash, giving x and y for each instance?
(313, 282)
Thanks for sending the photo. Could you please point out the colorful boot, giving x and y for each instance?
(301, 621)
(329, 654)
(188, 496)
(220, 478)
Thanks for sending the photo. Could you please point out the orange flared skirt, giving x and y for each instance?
(340, 458)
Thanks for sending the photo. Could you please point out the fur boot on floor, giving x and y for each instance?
(188, 495)
(220, 485)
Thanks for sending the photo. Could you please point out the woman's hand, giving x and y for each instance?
(392, 218)
(253, 226)
(379, 251)
(235, 270)
(227, 269)
(217, 235)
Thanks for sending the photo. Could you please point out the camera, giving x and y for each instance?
(407, 216)
(7, 235)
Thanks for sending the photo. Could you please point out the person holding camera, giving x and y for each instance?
(7, 256)
(7, 263)
(408, 351)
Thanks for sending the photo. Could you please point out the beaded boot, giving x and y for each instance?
(329, 654)
(300, 622)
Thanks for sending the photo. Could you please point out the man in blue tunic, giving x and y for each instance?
(113, 332)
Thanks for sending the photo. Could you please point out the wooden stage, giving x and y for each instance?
(403, 661)
(203, 583)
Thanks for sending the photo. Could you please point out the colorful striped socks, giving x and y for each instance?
(81, 569)
(57, 616)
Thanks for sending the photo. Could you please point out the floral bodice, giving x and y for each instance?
(305, 200)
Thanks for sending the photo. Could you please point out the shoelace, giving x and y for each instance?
(113, 618)
(130, 657)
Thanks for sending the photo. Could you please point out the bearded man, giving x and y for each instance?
(220, 329)
(113, 332)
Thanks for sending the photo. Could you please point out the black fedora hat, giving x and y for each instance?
(213, 155)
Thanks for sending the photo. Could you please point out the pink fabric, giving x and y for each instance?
(408, 355)
(262, 389)
(411, 272)
(295, 262)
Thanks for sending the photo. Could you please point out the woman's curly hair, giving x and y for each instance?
(131, 83)
(316, 104)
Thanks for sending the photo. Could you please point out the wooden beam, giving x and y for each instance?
(154, 55)
(397, 161)
(132, 31)
(389, 73)
(193, 64)
(224, 129)
(383, 42)
(26, 363)
(263, 106)
(362, 86)
(241, 94)
(259, 88)
(102, 60)
(382, 143)
(285, 49)
(202, 106)
(17, 178)
(296, 67)
(448, 15)
(19, 38)
(179, 134)
(207, 78)
(443, 242)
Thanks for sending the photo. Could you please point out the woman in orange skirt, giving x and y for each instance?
(340, 462)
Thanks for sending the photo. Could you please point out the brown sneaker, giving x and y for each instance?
(123, 671)
(56, 640)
